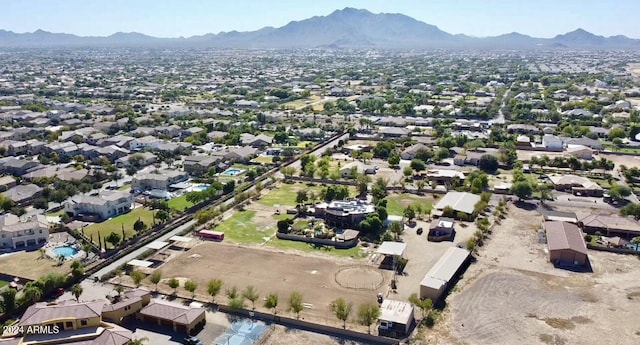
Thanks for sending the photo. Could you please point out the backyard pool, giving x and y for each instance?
(232, 172)
(200, 187)
(65, 251)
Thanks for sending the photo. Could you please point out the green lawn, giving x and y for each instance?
(3, 283)
(263, 159)
(124, 187)
(354, 252)
(116, 224)
(180, 203)
(239, 228)
(604, 183)
(303, 144)
(285, 193)
(396, 203)
(56, 213)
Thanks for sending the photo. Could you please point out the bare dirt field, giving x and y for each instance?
(30, 265)
(513, 295)
(286, 336)
(272, 272)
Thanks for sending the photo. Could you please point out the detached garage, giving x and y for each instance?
(566, 244)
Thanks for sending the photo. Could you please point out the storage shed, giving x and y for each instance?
(566, 244)
(436, 281)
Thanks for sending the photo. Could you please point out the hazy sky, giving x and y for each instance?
(173, 18)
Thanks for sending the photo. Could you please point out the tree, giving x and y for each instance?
(341, 309)
(441, 154)
(32, 292)
(174, 284)
(76, 291)
(272, 302)
(408, 171)
(363, 184)
(396, 229)
(236, 303)
(424, 305)
(155, 278)
(379, 189)
(251, 294)
(162, 215)
(418, 165)
(113, 238)
(77, 269)
(631, 210)
(191, 286)
(409, 213)
(371, 224)
(137, 276)
(619, 192)
(232, 292)
(522, 189)
(616, 132)
(394, 158)
(8, 300)
(213, 288)
(488, 163)
(301, 196)
(295, 303)
(288, 171)
(139, 225)
(367, 314)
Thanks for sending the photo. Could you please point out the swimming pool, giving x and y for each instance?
(200, 187)
(65, 251)
(232, 172)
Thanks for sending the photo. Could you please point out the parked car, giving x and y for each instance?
(419, 231)
(59, 292)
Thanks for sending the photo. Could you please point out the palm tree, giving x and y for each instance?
(61, 258)
(76, 291)
(42, 253)
(32, 292)
(87, 249)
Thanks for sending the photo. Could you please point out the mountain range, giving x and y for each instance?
(346, 28)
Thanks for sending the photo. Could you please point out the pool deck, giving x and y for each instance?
(50, 246)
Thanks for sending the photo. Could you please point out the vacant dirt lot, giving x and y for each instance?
(513, 295)
(286, 336)
(269, 272)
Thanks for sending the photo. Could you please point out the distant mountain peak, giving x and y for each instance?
(343, 28)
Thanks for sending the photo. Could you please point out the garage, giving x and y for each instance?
(566, 244)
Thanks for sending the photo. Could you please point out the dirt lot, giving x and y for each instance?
(286, 336)
(513, 295)
(30, 265)
(271, 272)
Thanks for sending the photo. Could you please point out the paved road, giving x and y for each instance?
(499, 119)
(114, 265)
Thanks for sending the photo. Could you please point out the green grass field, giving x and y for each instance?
(396, 203)
(56, 213)
(275, 242)
(180, 203)
(285, 194)
(239, 228)
(263, 160)
(124, 187)
(116, 224)
(3, 283)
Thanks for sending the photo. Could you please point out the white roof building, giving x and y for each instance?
(459, 201)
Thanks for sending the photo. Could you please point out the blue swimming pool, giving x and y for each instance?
(65, 251)
(232, 172)
(200, 187)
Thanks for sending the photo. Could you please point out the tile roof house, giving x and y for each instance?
(15, 233)
(458, 201)
(23, 194)
(99, 207)
(179, 318)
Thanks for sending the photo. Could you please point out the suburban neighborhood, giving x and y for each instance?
(366, 196)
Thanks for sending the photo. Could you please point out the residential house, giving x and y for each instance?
(444, 177)
(138, 144)
(608, 225)
(199, 165)
(347, 170)
(146, 158)
(344, 213)
(260, 140)
(160, 181)
(393, 132)
(584, 141)
(441, 229)
(7, 182)
(105, 205)
(236, 154)
(580, 151)
(178, 318)
(552, 142)
(578, 185)
(309, 133)
(23, 194)
(16, 233)
(410, 152)
(17, 167)
(77, 323)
